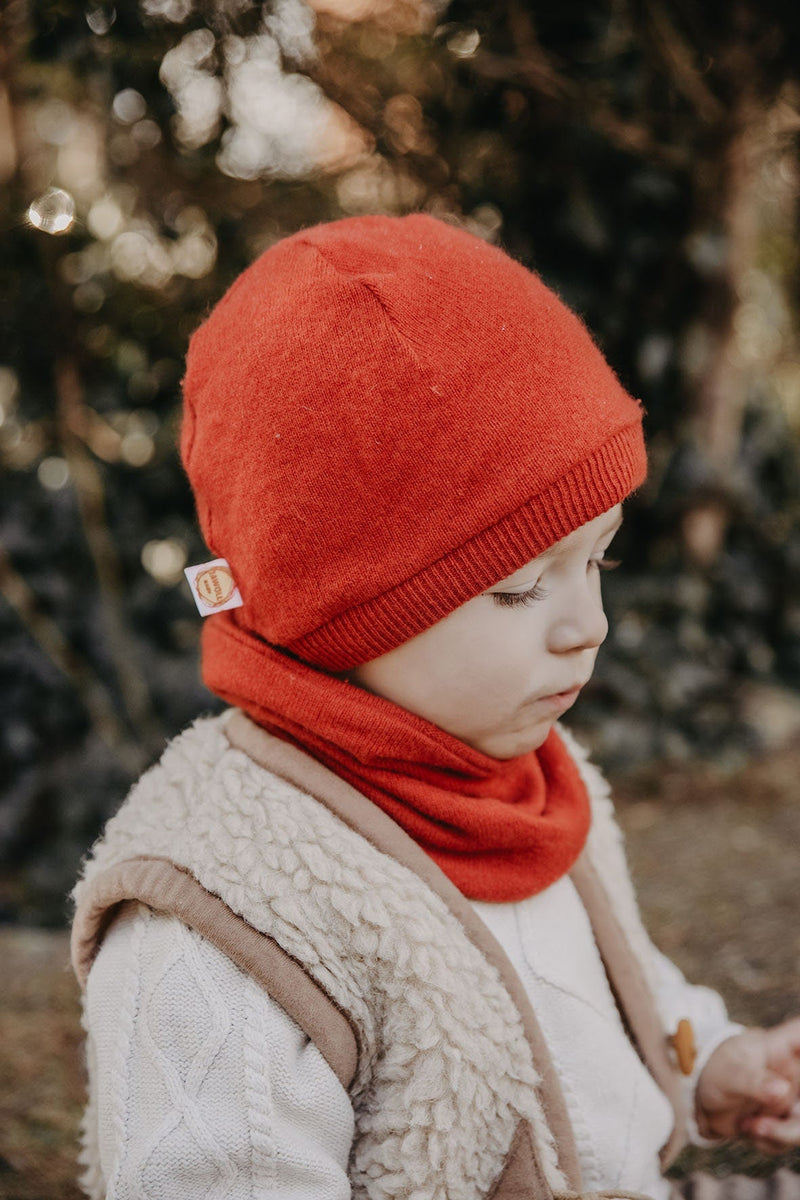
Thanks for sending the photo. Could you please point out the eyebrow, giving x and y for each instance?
(554, 551)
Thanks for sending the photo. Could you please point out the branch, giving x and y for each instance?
(594, 110)
(677, 56)
(91, 502)
(51, 641)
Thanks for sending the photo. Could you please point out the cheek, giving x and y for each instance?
(471, 669)
(490, 661)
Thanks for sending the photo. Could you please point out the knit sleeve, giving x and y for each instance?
(705, 1008)
(199, 1083)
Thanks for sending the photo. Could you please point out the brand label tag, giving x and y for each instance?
(213, 587)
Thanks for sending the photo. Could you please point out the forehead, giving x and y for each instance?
(585, 536)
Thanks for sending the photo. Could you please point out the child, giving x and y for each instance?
(370, 931)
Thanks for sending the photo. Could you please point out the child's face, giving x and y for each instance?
(498, 676)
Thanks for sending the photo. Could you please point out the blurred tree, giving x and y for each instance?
(641, 155)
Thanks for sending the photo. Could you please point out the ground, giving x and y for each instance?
(715, 861)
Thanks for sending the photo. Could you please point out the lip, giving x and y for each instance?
(561, 701)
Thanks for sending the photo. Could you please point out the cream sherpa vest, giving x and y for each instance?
(376, 955)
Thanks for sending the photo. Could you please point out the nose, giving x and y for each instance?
(580, 624)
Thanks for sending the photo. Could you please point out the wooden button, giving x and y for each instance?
(682, 1042)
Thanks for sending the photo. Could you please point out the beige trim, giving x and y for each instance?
(360, 814)
(634, 997)
(168, 888)
(521, 1177)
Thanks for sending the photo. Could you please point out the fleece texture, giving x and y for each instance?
(209, 1080)
(445, 1073)
(203, 1080)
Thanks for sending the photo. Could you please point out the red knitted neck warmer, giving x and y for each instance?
(500, 829)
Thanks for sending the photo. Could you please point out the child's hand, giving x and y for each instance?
(750, 1087)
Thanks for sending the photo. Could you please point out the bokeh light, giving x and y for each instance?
(464, 43)
(129, 106)
(105, 218)
(101, 19)
(53, 211)
(168, 10)
(53, 473)
(54, 122)
(165, 559)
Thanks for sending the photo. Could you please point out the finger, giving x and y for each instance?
(776, 1095)
(786, 1063)
(778, 1133)
(784, 1040)
(767, 1149)
(762, 1125)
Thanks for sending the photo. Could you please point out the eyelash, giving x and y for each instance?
(514, 599)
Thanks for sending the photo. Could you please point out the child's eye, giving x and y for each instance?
(512, 599)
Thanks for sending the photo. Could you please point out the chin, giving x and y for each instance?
(516, 744)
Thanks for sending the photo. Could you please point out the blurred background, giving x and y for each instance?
(643, 157)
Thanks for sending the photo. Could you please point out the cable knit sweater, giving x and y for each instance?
(201, 1084)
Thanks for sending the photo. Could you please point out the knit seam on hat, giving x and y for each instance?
(392, 322)
(379, 624)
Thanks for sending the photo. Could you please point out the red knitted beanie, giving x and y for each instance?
(384, 416)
